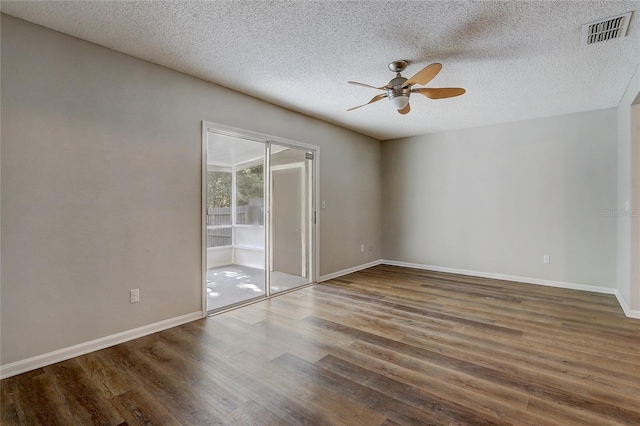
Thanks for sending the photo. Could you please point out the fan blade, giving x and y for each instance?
(440, 93)
(365, 85)
(375, 99)
(425, 75)
(405, 110)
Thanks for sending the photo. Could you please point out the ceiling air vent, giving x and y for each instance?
(606, 29)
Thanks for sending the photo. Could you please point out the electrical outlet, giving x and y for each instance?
(362, 248)
(135, 295)
(324, 205)
(546, 259)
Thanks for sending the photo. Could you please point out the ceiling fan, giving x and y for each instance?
(399, 89)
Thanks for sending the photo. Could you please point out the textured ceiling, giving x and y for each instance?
(517, 60)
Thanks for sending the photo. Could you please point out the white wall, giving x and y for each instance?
(219, 256)
(496, 199)
(101, 171)
(625, 163)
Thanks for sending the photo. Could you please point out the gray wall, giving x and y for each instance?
(101, 170)
(496, 199)
(629, 289)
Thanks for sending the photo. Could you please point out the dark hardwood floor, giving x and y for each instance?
(384, 346)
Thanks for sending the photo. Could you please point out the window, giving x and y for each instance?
(219, 204)
(249, 196)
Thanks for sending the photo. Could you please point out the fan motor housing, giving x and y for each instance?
(397, 89)
(398, 81)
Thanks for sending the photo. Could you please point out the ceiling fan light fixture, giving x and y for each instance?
(399, 101)
(400, 88)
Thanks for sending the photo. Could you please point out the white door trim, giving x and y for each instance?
(303, 217)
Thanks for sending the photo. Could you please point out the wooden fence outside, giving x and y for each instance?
(222, 216)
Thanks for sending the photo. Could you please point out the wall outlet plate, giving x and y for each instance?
(134, 295)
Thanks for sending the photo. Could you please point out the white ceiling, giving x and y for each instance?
(517, 60)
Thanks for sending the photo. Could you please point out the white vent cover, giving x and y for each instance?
(606, 29)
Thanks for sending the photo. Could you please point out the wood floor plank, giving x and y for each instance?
(478, 395)
(202, 352)
(253, 414)
(326, 402)
(382, 346)
(183, 402)
(416, 397)
(391, 408)
(293, 336)
(83, 397)
(280, 402)
(533, 385)
(510, 398)
(578, 365)
(8, 413)
(111, 379)
(39, 401)
(588, 342)
(138, 407)
(461, 318)
(190, 374)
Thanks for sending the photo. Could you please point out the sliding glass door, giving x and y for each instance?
(260, 235)
(235, 220)
(291, 217)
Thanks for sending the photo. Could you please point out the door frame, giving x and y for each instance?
(303, 230)
(314, 258)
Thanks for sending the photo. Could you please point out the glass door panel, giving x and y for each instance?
(235, 220)
(291, 207)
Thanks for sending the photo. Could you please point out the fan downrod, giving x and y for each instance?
(398, 66)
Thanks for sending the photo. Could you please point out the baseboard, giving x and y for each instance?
(64, 354)
(526, 280)
(627, 311)
(349, 270)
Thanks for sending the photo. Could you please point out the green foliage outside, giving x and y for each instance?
(218, 189)
(249, 182)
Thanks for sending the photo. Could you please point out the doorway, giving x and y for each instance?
(259, 209)
(291, 217)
